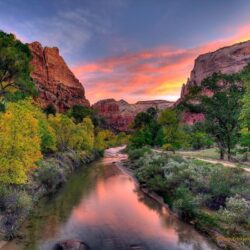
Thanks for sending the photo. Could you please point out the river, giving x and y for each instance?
(102, 206)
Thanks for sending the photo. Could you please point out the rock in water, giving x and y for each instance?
(54, 80)
(72, 245)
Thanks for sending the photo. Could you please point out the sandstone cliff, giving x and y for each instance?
(120, 114)
(55, 82)
(227, 60)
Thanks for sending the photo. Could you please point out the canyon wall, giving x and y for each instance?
(227, 60)
(120, 114)
(54, 80)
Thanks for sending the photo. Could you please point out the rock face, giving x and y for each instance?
(120, 114)
(55, 82)
(226, 60)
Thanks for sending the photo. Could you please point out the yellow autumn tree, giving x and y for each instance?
(84, 135)
(46, 132)
(20, 144)
(104, 139)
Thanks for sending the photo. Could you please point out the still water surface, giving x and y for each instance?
(102, 206)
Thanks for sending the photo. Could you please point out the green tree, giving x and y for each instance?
(79, 112)
(174, 136)
(14, 67)
(245, 111)
(64, 129)
(222, 110)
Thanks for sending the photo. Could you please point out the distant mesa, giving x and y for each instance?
(54, 80)
(120, 114)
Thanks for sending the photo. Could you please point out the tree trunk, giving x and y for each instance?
(229, 154)
(221, 154)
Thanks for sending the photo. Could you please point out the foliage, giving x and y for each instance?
(50, 110)
(79, 112)
(46, 133)
(83, 135)
(245, 111)
(245, 142)
(104, 139)
(197, 136)
(236, 211)
(136, 153)
(185, 204)
(20, 144)
(50, 174)
(70, 135)
(184, 181)
(174, 135)
(222, 110)
(2, 107)
(14, 67)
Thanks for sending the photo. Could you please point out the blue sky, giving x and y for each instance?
(88, 32)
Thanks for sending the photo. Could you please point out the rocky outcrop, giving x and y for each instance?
(55, 82)
(120, 114)
(226, 60)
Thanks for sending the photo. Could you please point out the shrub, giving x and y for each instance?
(136, 153)
(236, 211)
(50, 174)
(185, 204)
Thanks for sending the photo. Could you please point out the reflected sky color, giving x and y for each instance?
(103, 207)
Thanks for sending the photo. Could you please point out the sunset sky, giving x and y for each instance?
(129, 49)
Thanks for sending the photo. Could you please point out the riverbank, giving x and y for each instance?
(16, 202)
(157, 180)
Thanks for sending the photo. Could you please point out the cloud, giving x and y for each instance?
(70, 29)
(148, 74)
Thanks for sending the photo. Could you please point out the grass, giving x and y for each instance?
(211, 153)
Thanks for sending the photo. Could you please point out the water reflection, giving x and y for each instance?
(103, 207)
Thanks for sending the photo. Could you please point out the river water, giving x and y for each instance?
(102, 206)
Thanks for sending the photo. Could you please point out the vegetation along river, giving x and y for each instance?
(102, 206)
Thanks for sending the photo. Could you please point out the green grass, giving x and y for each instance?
(211, 153)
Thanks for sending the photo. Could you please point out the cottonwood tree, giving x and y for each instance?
(14, 66)
(222, 110)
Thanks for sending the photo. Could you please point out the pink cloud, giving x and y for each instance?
(149, 74)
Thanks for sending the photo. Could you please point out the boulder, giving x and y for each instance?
(72, 245)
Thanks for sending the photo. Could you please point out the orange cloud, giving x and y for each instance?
(149, 74)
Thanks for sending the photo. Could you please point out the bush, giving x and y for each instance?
(50, 174)
(136, 153)
(185, 204)
(15, 201)
(236, 211)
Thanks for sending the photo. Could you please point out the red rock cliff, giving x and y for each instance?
(54, 80)
(228, 60)
(120, 114)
